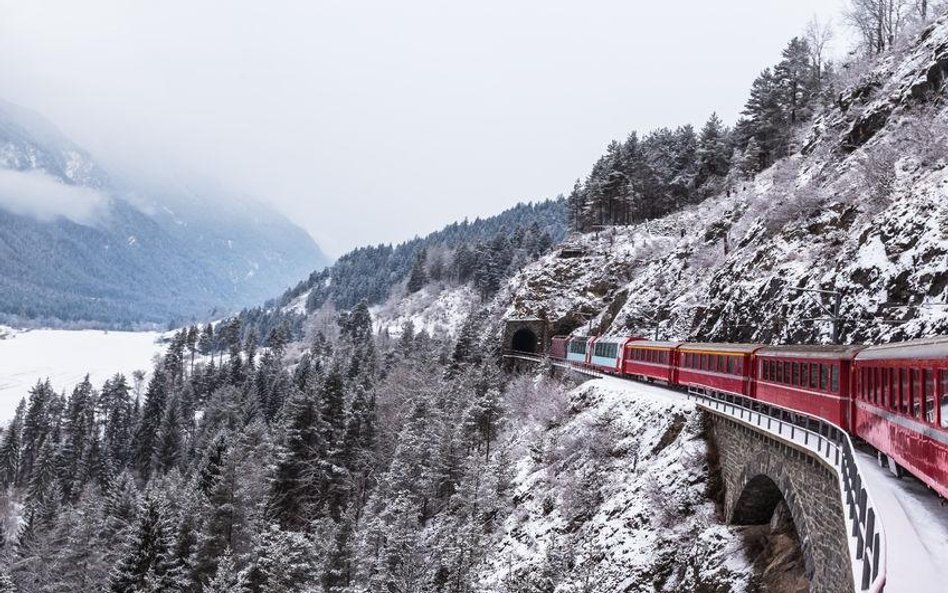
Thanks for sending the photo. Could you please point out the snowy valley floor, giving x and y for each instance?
(65, 357)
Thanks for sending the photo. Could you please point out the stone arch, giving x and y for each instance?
(524, 340)
(757, 502)
(766, 494)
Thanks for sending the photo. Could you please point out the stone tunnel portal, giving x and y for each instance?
(524, 340)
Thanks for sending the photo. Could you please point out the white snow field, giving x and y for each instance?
(65, 357)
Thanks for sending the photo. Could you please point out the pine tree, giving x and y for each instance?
(713, 156)
(418, 277)
(227, 579)
(119, 424)
(37, 424)
(10, 447)
(299, 473)
(146, 436)
(285, 562)
(146, 563)
(169, 444)
(79, 433)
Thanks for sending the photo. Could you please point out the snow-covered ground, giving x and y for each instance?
(613, 499)
(65, 357)
(916, 528)
(438, 310)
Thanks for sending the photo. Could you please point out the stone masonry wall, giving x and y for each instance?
(759, 470)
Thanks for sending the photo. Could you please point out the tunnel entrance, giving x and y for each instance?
(524, 340)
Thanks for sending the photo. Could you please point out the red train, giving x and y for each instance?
(894, 397)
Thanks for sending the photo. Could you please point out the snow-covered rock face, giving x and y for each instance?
(866, 217)
(614, 500)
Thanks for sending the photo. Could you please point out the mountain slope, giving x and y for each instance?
(78, 246)
(861, 210)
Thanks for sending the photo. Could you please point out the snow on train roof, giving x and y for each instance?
(714, 347)
(932, 347)
(612, 340)
(833, 352)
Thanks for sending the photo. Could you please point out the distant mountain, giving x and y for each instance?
(79, 245)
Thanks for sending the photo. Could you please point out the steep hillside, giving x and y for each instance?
(613, 498)
(78, 246)
(861, 209)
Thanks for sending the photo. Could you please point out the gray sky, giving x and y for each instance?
(370, 122)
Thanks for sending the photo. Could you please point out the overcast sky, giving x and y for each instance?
(370, 122)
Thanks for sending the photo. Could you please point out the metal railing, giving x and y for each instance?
(832, 444)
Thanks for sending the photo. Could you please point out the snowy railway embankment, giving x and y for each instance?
(616, 498)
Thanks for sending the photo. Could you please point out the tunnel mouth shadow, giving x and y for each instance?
(524, 340)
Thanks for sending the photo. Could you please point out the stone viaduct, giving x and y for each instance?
(761, 471)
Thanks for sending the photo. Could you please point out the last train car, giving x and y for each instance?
(558, 347)
(901, 407)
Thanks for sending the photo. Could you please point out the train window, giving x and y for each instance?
(929, 399)
(886, 381)
(943, 411)
(834, 379)
(795, 377)
(705, 362)
(916, 403)
(804, 374)
(814, 375)
(824, 377)
(786, 372)
(905, 390)
(875, 392)
(778, 376)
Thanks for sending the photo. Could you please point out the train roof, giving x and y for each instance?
(613, 339)
(652, 344)
(832, 352)
(711, 347)
(925, 348)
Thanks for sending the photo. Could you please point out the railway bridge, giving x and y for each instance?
(776, 463)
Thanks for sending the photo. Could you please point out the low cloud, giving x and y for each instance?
(45, 198)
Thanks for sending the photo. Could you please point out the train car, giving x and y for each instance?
(606, 354)
(578, 349)
(558, 347)
(901, 407)
(718, 367)
(651, 360)
(810, 379)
